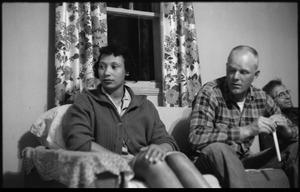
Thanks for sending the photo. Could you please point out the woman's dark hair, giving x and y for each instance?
(268, 88)
(117, 50)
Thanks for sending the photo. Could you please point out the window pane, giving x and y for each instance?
(143, 6)
(137, 35)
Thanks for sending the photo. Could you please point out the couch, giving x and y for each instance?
(176, 121)
(47, 130)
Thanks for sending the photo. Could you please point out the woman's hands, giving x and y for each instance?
(155, 153)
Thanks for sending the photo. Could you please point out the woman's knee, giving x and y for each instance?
(157, 174)
(142, 166)
(178, 159)
(176, 156)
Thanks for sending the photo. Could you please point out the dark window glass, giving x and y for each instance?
(143, 7)
(118, 5)
(137, 35)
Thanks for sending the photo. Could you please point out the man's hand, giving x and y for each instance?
(279, 119)
(282, 126)
(264, 125)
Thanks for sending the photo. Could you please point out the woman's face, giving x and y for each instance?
(112, 72)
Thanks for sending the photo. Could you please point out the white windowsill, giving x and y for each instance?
(150, 88)
(132, 13)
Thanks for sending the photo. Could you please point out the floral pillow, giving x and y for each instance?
(48, 128)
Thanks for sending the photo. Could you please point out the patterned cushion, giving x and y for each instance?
(48, 129)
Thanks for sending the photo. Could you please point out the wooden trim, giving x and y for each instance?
(162, 47)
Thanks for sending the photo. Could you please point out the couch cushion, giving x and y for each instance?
(177, 122)
(268, 178)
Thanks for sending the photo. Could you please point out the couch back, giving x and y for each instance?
(177, 122)
(48, 128)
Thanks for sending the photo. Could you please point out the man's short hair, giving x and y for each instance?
(241, 48)
(268, 88)
(245, 47)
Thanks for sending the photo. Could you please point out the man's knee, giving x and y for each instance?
(217, 149)
(213, 154)
(295, 146)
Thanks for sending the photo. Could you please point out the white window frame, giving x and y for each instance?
(150, 88)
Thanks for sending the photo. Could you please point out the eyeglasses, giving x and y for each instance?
(284, 94)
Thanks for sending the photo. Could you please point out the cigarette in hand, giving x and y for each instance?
(276, 145)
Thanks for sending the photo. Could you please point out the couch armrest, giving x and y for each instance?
(75, 168)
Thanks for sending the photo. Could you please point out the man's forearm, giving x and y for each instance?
(248, 131)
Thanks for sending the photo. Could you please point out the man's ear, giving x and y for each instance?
(257, 72)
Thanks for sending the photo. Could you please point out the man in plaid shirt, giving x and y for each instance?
(228, 113)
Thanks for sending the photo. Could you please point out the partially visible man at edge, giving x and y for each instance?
(226, 116)
(282, 97)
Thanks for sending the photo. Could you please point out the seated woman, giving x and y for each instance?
(112, 119)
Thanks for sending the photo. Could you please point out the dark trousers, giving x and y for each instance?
(268, 159)
(222, 161)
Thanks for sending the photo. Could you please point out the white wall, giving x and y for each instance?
(25, 30)
(270, 28)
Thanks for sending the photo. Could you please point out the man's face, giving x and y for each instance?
(241, 71)
(112, 72)
(282, 97)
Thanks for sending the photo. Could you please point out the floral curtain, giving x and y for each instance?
(181, 70)
(81, 29)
